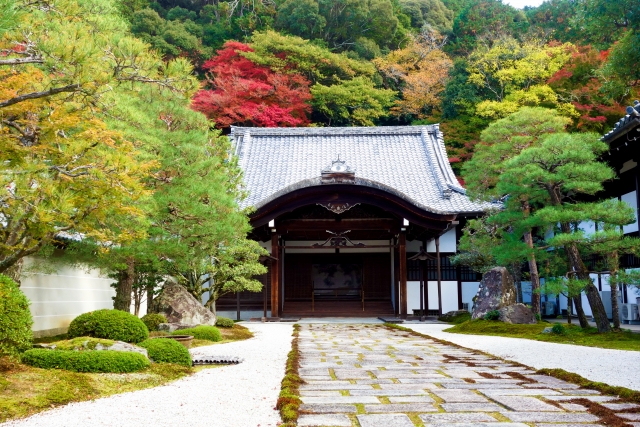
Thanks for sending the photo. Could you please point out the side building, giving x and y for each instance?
(341, 212)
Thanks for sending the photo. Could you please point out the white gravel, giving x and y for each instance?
(242, 395)
(613, 367)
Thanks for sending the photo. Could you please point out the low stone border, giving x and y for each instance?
(289, 400)
(623, 393)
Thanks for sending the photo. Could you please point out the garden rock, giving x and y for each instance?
(518, 314)
(547, 330)
(496, 291)
(180, 307)
(451, 315)
(123, 346)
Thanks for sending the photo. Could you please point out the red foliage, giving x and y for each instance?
(577, 82)
(244, 93)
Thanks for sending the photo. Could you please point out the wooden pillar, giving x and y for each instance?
(403, 274)
(275, 276)
(458, 268)
(439, 276)
(425, 276)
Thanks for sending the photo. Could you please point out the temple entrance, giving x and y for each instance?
(349, 284)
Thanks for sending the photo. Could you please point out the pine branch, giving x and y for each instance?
(36, 95)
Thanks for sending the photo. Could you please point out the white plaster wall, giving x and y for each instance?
(56, 299)
(447, 242)
(449, 295)
(469, 290)
(630, 199)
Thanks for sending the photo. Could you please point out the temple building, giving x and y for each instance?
(343, 212)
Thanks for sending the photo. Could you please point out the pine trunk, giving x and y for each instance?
(582, 318)
(122, 301)
(613, 283)
(569, 309)
(15, 271)
(149, 298)
(517, 279)
(580, 270)
(535, 276)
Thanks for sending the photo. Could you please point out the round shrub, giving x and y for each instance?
(559, 329)
(152, 320)
(166, 350)
(224, 322)
(110, 324)
(202, 332)
(86, 361)
(15, 319)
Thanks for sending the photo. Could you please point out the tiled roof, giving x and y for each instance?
(409, 161)
(630, 121)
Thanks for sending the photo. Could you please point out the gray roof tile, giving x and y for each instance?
(410, 161)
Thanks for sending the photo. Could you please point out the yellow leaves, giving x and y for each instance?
(420, 70)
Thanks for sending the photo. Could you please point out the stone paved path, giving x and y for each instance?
(371, 376)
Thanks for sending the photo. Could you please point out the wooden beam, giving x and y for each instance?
(346, 224)
(403, 274)
(275, 276)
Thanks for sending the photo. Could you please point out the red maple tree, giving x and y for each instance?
(240, 92)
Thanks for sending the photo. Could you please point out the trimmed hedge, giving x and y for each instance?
(110, 324)
(152, 320)
(15, 319)
(224, 322)
(202, 332)
(166, 350)
(86, 361)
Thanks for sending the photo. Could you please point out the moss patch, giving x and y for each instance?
(574, 334)
(289, 400)
(26, 390)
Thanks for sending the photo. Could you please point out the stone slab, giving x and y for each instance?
(320, 393)
(494, 424)
(328, 409)
(550, 417)
(632, 416)
(620, 406)
(525, 403)
(522, 392)
(387, 392)
(334, 420)
(340, 399)
(567, 425)
(459, 396)
(471, 407)
(340, 385)
(411, 399)
(456, 418)
(385, 420)
(400, 407)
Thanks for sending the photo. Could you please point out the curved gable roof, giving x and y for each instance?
(410, 161)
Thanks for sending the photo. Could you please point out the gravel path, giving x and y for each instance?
(242, 395)
(613, 367)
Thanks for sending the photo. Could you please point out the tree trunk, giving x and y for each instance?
(535, 275)
(613, 283)
(577, 265)
(517, 279)
(582, 318)
(122, 301)
(533, 265)
(15, 271)
(569, 309)
(149, 298)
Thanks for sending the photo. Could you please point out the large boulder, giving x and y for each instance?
(179, 306)
(518, 314)
(496, 291)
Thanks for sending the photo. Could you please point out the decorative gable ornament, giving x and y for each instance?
(338, 173)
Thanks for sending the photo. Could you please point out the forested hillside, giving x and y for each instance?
(463, 63)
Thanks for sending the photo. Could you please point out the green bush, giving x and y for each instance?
(166, 350)
(86, 361)
(559, 329)
(152, 320)
(202, 332)
(492, 315)
(224, 322)
(83, 343)
(15, 319)
(110, 324)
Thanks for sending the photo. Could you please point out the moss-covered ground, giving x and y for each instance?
(25, 390)
(574, 334)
